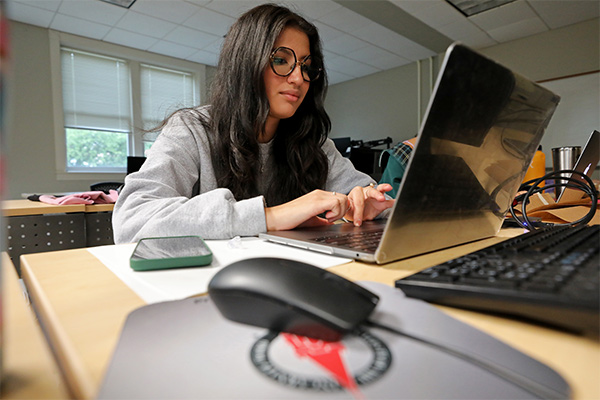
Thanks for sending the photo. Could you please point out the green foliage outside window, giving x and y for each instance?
(96, 149)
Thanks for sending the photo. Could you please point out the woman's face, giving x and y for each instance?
(286, 93)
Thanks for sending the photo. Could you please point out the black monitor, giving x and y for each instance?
(134, 163)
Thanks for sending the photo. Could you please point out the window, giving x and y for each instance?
(109, 102)
(163, 91)
(97, 111)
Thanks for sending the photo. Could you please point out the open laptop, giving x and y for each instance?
(586, 164)
(480, 131)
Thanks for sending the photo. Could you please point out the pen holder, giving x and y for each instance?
(564, 158)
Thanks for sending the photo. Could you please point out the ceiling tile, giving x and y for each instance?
(92, 10)
(190, 37)
(349, 67)
(413, 6)
(503, 16)
(385, 38)
(377, 58)
(204, 57)
(200, 3)
(50, 5)
(215, 47)
(29, 15)
(76, 26)
(518, 29)
(130, 39)
(344, 20)
(344, 44)
(554, 15)
(468, 33)
(145, 25)
(414, 52)
(328, 55)
(210, 21)
(175, 11)
(337, 77)
(233, 8)
(470, 36)
(478, 41)
(172, 49)
(460, 29)
(439, 14)
(378, 35)
(312, 9)
(326, 32)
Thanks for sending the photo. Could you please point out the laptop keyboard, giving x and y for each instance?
(365, 241)
(551, 275)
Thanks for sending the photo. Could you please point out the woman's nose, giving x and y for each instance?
(296, 75)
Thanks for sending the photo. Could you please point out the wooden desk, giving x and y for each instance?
(29, 370)
(34, 227)
(21, 207)
(83, 306)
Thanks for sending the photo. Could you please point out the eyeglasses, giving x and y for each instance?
(283, 62)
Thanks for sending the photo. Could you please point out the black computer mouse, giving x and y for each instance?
(290, 296)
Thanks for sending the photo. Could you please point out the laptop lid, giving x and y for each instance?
(586, 164)
(480, 131)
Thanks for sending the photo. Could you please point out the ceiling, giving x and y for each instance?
(360, 37)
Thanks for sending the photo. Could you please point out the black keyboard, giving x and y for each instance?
(551, 275)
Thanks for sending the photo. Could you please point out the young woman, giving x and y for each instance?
(258, 157)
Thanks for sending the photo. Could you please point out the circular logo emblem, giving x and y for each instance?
(310, 364)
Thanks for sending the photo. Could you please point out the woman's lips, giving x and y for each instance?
(291, 95)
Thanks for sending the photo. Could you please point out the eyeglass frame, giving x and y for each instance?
(302, 63)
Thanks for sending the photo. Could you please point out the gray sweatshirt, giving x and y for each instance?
(176, 192)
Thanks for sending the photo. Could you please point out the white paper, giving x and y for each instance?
(179, 283)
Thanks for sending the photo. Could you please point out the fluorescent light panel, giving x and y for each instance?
(472, 7)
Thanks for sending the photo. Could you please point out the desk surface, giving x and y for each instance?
(29, 370)
(12, 208)
(84, 305)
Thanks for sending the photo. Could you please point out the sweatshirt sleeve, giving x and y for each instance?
(343, 177)
(159, 200)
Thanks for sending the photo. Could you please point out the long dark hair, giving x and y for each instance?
(239, 111)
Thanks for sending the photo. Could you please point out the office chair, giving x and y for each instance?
(106, 186)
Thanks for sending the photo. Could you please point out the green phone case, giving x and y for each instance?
(170, 252)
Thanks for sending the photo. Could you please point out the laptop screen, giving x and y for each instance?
(480, 132)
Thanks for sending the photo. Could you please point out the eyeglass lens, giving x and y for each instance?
(283, 62)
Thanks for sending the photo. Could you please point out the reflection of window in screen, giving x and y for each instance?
(163, 91)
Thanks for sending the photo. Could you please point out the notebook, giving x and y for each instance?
(586, 164)
(480, 131)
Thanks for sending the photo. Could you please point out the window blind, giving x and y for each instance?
(96, 91)
(164, 91)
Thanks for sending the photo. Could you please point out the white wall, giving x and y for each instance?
(30, 139)
(373, 107)
(382, 105)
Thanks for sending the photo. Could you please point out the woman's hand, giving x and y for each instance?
(361, 204)
(305, 210)
(366, 203)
